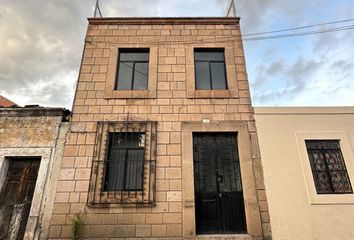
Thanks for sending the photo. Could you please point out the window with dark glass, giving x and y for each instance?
(210, 71)
(328, 167)
(133, 65)
(125, 161)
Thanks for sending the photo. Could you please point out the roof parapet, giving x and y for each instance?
(165, 21)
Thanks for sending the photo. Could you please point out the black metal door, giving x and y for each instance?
(219, 201)
(16, 197)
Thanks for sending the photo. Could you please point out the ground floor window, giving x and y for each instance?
(123, 168)
(328, 167)
(125, 161)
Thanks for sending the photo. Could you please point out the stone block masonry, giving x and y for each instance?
(171, 101)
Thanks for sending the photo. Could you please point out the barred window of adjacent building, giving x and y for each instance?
(133, 67)
(210, 73)
(328, 167)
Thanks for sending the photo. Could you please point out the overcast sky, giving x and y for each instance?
(41, 43)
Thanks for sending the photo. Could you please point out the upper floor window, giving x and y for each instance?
(328, 167)
(210, 71)
(133, 66)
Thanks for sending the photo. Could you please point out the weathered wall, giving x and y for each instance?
(28, 131)
(170, 102)
(34, 133)
(296, 211)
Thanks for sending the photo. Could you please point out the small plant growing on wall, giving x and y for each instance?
(76, 222)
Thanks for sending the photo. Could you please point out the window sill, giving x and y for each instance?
(232, 93)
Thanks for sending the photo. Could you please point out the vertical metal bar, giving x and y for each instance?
(133, 76)
(94, 157)
(231, 161)
(98, 160)
(154, 152)
(133, 164)
(148, 161)
(322, 151)
(218, 199)
(106, 162)
(126, 147)
(114, 144)
(139, 178)
(210, 76)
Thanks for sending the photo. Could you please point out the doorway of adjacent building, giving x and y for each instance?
(16, 196)
(219, 201)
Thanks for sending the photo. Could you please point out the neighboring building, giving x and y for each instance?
(31, 147)
(4, 102)
(308, 160)
(162, 142)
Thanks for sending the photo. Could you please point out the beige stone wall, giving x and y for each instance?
(296, 210)
(169, 102)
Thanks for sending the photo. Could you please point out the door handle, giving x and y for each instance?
(220, 179)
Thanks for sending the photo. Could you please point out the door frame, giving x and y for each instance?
(252, 210)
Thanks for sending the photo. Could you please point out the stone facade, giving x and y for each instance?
(34, 132)
(179, 110)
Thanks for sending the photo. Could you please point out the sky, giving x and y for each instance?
(41, 43)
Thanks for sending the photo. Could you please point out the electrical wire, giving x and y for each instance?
(298, 28)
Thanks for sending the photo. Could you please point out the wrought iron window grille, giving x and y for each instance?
(124, 164)
(328, 167)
